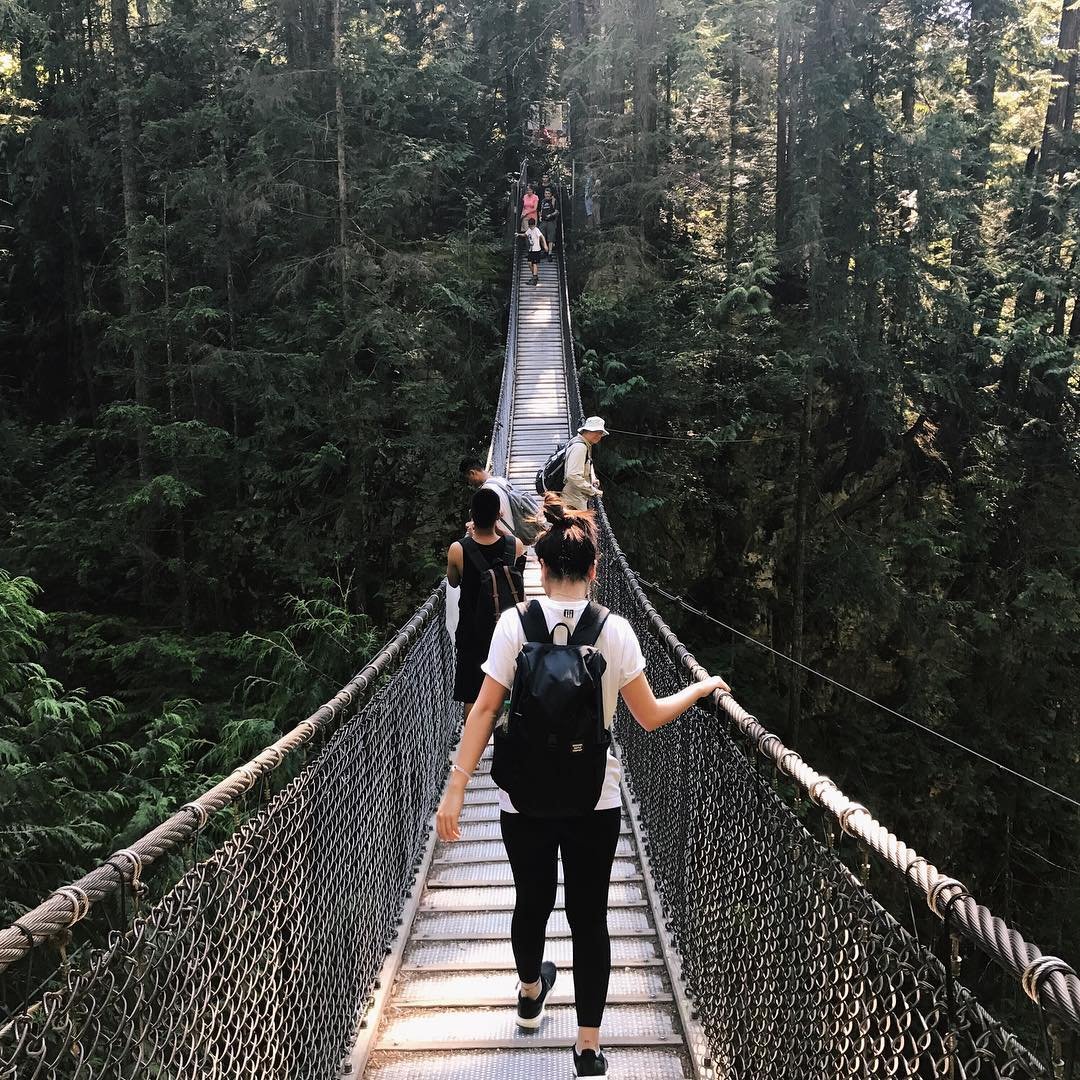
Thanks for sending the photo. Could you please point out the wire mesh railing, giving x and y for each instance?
(794, 968)
(259, 961)
(499, 451)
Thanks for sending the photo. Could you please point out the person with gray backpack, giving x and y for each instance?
(564, 661)
(569, 471)
(518, 510)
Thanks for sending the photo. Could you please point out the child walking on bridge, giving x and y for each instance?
(537, 245)
(567, 661)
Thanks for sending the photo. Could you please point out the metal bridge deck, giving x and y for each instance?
(450, 1011)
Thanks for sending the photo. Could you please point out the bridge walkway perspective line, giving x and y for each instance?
(450, 1013)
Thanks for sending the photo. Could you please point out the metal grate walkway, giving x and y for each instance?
(449, 1013)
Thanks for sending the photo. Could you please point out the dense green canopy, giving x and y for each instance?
(251, 314)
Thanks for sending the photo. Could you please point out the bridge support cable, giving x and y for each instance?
(766, 917)
(258, 962)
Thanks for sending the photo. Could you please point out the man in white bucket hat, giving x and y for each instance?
(580, 483)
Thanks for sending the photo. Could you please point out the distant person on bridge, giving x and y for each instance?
(592, 200)
(567, 661)
(488, 567)
(517, 509)
(549, 217)
(569, 471)
(529, 204)
(537, 245)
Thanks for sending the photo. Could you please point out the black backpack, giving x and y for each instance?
(552, 477)
(551, 756)
(501, 586)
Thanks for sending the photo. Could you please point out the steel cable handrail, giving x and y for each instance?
(499, 450)
(1047, 980)
(70, 904)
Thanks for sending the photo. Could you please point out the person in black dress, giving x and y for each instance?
(473, 639)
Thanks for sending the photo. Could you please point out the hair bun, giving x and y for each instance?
(554, 509)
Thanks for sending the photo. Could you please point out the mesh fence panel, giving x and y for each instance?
(795, 971)
(258, 963)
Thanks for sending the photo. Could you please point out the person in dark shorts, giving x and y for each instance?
(472, 640)
(537, 246)
(549, 218)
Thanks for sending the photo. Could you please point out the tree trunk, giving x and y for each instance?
(734, 94)
(984, 35)
(342, 179)
(1050, 164)
(28, 72)
(1061, 107)
(125, 78)
(786, 66)
(798, 588)
(85, 343)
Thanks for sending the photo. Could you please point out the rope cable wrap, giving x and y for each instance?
(1059, 988)
(60, 911)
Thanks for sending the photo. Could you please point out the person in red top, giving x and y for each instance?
(529, 206)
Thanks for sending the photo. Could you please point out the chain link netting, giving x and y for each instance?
(258, 963)
(795, 971)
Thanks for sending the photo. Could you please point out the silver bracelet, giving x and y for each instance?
(455, 767)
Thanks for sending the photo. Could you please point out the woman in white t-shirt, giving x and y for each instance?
(587, 842)
(537, 245)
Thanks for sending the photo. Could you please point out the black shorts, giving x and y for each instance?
(534, 257)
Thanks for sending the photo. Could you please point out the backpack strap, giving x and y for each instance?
(472, 549)
(533, 622)
(500, 483)
(510, 549)
(590, 623)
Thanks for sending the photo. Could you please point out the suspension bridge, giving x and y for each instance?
(328, 935)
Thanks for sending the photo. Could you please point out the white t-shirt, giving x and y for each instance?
(498, 485)
(617, 643)
(534, 235)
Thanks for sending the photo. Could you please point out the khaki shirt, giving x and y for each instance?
(580, 482)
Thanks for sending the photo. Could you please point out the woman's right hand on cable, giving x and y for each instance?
(449, 813)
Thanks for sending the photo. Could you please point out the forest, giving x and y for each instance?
(253, 293)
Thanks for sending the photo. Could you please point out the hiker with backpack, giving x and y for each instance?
(564, 660)
(488, 567)
(569, 471)
(517, 509)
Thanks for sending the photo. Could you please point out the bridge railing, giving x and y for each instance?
(794, 967)
(258, 962)
(499, 452)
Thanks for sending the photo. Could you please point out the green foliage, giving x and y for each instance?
(901, 261)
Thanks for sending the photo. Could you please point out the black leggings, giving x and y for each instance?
(588, 845)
